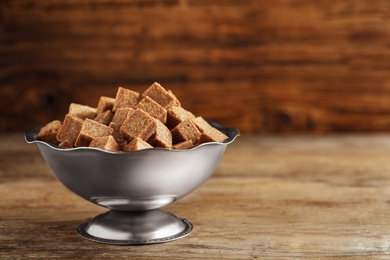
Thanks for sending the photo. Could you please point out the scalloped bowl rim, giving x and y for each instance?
(31, 138)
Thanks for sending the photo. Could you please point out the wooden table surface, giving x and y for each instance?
(273, 197)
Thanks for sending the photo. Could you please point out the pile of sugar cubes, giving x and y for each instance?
(131, 121)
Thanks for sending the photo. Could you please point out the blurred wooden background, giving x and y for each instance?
(263, 66)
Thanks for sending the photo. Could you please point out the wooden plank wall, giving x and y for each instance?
(281, 66)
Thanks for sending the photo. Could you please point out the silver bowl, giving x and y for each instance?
(134, 185)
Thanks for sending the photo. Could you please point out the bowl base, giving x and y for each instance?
(135, 228)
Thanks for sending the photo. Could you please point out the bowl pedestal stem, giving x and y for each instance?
(135, 227)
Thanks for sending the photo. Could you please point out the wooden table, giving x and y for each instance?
(273, 197)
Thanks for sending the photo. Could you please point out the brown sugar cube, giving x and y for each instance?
(49, 132)
(183, 145)
(161, 96)
(184, 131)
(153, 108)
(209, 133)
(177, 102)
(212, 135)
(105, 117)
(121, 114)
(162, 137)
(70, 129)
(104, 104)
(201, 124)
(82, 111)
(139, 124)
(117, 134)
(176, 115)
(90, 131)
(136, 144)
(65, 144)
(106, 143)
(125, 98)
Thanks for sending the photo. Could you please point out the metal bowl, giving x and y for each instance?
(133, 184)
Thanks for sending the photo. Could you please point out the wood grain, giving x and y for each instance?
(263, 66)
(271, 197)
